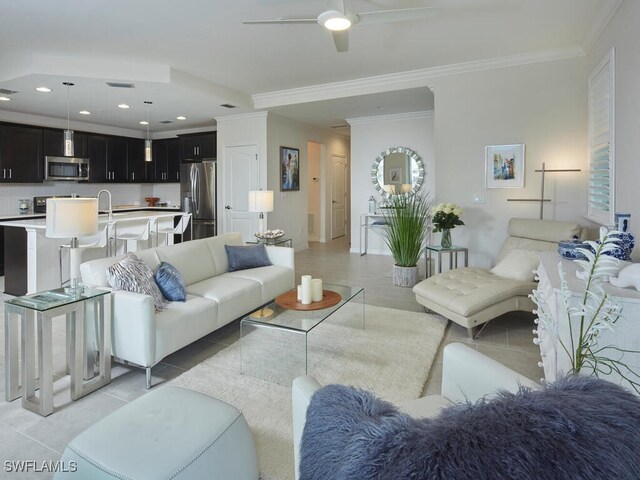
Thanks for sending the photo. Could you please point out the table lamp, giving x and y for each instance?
(72, 218)
(261, 201)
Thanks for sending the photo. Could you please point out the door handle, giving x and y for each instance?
(334, 201)
(227, 207)
(10, 173)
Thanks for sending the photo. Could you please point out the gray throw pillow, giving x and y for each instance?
(133, 275)
(170, 282)
(241, 257)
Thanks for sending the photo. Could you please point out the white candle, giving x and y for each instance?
(316, 289)
(299, 293)
(306, 289)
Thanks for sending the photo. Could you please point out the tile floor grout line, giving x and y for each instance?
(35, 440)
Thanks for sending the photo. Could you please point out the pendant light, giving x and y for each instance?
(68, 133)
(148, 154)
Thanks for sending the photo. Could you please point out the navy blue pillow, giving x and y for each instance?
(170, 282)
(241, 257)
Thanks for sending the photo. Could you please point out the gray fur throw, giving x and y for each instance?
(576, 428)
(133, 275)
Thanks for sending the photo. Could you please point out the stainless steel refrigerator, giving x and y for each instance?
(198, 193)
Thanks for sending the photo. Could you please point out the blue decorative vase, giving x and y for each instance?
(624, 247)
(570, 249)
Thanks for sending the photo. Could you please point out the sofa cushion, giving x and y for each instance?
(235, 296)
(578, 427)
(466, 291)
(545, 230)
(94, 272)
(273, 279)
(219, 254)
(133, 275)
(518, 264)
(241, 257)
(192, 259)
(170, 282)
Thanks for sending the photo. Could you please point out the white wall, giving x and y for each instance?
(622, 33)
(314, 193)
(542, 105)
(291, 207)
(369, 137)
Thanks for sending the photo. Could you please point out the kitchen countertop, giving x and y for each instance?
(123, 208)
(38, 222)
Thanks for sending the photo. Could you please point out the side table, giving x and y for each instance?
(285, 242)
(453, 252)
(34, 314)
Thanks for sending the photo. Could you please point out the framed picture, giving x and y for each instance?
(504, 166)
(289, 169)
(623, 221)
(395, 176)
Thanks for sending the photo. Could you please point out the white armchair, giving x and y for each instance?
(466, 375)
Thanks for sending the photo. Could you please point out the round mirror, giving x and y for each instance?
(397, 171)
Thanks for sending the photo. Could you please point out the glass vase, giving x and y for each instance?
(445, 242)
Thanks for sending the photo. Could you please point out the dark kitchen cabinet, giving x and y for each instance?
(54, 143)
(21, 158)
(198, 146)
(166, 160)
(136, 168)
(117, 159)
(97, 150)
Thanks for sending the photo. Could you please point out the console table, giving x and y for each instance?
(369, 222)
(33, 315)
(626, 332)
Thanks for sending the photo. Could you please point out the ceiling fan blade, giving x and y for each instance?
(400, 15)
(281, 21)
(341, 40)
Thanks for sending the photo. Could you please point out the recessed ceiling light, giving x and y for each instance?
(43, 89)
(123, 105)
(181, 117)
(5, 99)
(144, 122)
(84, 112)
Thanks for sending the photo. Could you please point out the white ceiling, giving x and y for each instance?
(189, 57)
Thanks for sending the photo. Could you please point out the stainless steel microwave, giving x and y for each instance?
(66, 168)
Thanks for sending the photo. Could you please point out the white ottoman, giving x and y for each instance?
(168, 433)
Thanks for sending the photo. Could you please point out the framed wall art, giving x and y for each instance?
(504, 166)
(289, 169)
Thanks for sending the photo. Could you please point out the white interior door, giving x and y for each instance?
(240, 176)
(338, 196)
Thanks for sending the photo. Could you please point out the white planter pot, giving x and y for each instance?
(405, 276)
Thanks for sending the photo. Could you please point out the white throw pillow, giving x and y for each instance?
(518, 264)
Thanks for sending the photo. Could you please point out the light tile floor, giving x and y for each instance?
(27, 436)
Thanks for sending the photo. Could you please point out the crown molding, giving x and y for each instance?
(242, 116)
(405, 80)
(394, 117)
(599, 24)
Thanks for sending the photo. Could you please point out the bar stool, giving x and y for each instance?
(99, 242)
(179, 229)
(141, 234)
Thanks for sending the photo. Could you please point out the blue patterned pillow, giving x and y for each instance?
(170, 282)
(241, 257)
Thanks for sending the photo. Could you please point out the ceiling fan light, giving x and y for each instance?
(334, 20)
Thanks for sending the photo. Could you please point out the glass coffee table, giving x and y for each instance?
(274, 339)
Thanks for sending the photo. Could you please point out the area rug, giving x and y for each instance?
(391, 357)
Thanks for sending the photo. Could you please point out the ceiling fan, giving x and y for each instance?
(338, 20)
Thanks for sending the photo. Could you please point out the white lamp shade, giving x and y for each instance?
(261, 201)
(72, 217)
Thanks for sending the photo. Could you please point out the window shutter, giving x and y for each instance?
(601, 198)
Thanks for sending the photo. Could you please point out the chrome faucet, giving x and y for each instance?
(110, 211)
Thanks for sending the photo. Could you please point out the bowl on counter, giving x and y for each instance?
(571, 249)
(151, 201)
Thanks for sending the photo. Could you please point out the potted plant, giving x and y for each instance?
(405, 233)
(446, 216)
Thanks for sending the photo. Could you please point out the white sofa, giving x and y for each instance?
(215, 297)
(466, 375)
(472, 296)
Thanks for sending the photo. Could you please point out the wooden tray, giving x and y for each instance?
(289, 300)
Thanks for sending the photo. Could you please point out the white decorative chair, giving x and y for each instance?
(473, 296)
(179, 229)
(136, 233)
(466, 375)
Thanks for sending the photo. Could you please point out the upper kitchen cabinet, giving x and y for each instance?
(54, 143)
(136, 168)
(197, 146)
(117, 159)
(21, 156)
(166, 160)
(97, 150)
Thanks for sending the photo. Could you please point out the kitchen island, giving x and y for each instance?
(31, 259)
